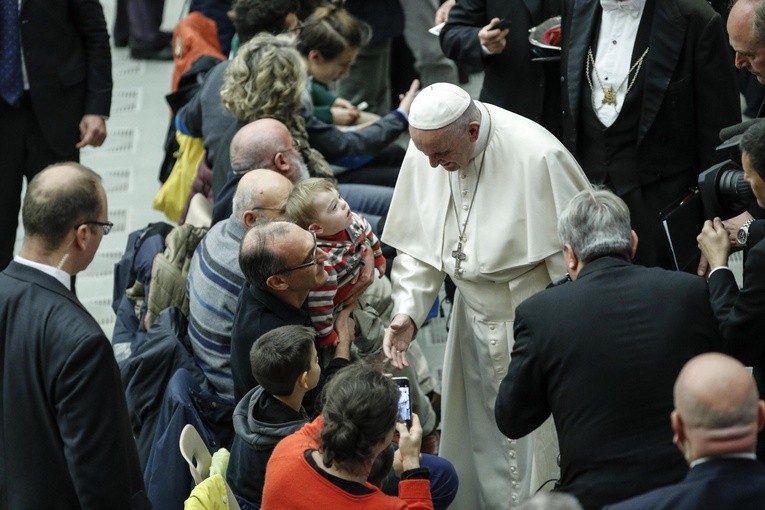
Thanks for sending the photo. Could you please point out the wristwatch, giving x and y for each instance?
(742, 236)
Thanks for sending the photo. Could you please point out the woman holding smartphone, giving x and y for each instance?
(329, 459)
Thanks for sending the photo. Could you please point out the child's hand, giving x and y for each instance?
(381, 269)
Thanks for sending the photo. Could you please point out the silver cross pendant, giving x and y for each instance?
(459, 256)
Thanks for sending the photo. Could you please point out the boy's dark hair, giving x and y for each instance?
(280, 356)
(753, 143)
(251, 17)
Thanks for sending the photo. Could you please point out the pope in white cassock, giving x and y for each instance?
(478, 199)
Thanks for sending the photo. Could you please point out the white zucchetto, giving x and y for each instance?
(437, 106)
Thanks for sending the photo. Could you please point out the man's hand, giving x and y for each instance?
(493, 39)
(397, 338)
(442, 14)
(406, 99)
(92, 131)
(714, 243)
(364, 279)
(409, 442)
(346, 331)
(733, 224)
(381, 269)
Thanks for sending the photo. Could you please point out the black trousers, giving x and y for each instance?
(25, 153)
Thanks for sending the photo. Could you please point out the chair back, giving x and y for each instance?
(195, 451)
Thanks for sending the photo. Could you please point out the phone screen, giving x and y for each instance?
(404, 401)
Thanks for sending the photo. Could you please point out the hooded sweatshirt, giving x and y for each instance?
(260, 422)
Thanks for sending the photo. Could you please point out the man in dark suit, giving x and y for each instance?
(649, 86)
(716, 418)
(65, 437)
(54, 101)
(511, 80)
(741, 312)
(601, 354)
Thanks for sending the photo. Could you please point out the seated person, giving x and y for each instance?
(285, 363)
(330, 458)
(329, 41)
(215, 278)
(315, 205)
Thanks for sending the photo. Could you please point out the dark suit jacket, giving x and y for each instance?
(741, 317)
(689, 92)
(511, 80)
(602, 354)
(65, 438)
(717, 484)
(68, 62)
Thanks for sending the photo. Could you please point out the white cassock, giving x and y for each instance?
(511, 251)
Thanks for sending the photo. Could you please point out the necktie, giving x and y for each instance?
(11, 81)
(631, 7)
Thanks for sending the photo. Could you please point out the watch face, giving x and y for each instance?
(742, 236)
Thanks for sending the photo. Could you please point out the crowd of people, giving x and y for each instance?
(577, 351)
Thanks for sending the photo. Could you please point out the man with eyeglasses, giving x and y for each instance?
(62, 399)
(215, 278)
(281, 263)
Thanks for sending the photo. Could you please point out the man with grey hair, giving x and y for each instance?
(717, 414)
(215, 278)
(601, 354)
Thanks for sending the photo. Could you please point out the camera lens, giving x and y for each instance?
(735, 192)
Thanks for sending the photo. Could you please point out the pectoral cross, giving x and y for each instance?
(459, 256)
(609, 96)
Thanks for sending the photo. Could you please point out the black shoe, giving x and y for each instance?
(120, 43)
(163, 53)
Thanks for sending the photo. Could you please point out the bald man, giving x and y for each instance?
(716, 419)
(215, 278)
(65, 437)
(267, 143)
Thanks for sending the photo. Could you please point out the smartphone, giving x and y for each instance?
(503, 24)
(404, 401)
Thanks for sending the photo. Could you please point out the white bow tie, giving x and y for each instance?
(631, 7)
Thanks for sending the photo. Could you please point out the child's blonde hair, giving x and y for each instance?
(300, 207)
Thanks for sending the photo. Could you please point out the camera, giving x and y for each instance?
(724, 192)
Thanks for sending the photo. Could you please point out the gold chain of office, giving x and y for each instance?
(609, 93)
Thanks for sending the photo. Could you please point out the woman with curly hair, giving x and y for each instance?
(266, 79)
(330, 459)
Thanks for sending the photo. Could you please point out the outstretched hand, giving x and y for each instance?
(397, 338)
(407, 98)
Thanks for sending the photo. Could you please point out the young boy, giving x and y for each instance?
(285, 364)
(344, 236)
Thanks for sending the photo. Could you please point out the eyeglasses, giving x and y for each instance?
(106, 225)
(304, 264)
(297, 145)
(277, 209)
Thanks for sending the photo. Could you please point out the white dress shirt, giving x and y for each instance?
(618, 30)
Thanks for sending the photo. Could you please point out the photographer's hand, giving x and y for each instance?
(713, 243)
(733, 224)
